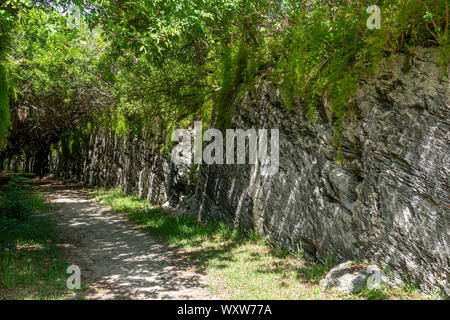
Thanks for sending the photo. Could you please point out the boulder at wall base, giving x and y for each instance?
(350, 277)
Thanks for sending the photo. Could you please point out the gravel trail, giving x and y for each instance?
(117, 260)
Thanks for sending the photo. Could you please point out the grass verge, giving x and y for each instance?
(239, 266)
(31, 266)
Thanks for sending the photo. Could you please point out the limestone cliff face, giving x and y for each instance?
(387, 201)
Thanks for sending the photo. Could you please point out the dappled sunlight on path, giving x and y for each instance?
(117, 261)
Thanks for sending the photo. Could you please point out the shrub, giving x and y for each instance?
(329, 49)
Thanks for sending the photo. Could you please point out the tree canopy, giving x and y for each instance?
(161, 63)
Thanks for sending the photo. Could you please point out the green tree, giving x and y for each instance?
(53, 73)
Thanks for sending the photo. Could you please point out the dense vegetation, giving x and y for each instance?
(161, 63)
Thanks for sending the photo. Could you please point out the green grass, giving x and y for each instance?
(16, 202)
(183, 231)
(119, 201)
(31, 266)
(239, 266)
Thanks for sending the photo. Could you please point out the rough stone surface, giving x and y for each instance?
(386, 202)
(132, 163)
(351, 277)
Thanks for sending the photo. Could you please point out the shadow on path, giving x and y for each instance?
(118, 261)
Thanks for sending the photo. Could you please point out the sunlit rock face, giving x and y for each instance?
(386, 202)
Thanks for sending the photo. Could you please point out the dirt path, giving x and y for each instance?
(117, 261)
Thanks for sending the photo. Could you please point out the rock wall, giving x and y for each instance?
(133, 163)
(17, 164)
(386, 201)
